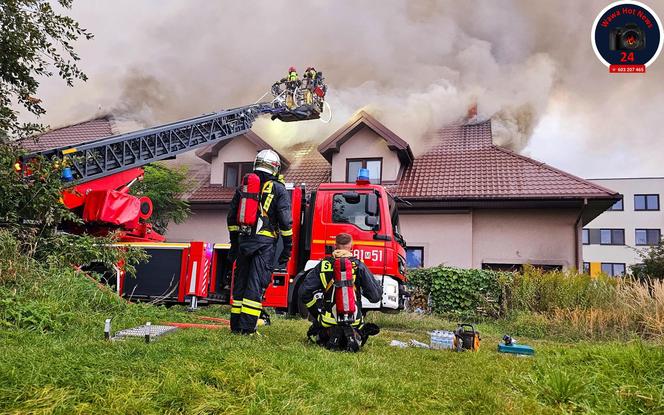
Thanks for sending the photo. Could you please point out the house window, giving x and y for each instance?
(613, 269)
(646, 202)
(612, 236)
(414, 257)
(586, 267)
(353, 212)
(234, 172)
(647, 236)
(585, 236)
(375, 166)
(617, 206)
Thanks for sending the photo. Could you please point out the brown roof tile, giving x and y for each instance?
(464, 164)
(70, 135)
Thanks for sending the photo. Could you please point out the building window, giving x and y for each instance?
(612, 237)
(618, 205)
(375, 166)
(586, 267)
(647, 236)
(646, 202)
(613, 269)
(234, 172)
(414, 257)
(351, 211)
(585, 236)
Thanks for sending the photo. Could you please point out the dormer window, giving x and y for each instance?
(375, 166)
(234, 172)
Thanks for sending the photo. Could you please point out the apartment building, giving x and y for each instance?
(612, 240)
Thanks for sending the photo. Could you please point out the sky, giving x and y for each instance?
(415, 66)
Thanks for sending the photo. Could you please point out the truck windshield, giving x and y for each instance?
(343, 211)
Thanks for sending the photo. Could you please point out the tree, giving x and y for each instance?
(652, 262)
(165, 187)
(35, 41)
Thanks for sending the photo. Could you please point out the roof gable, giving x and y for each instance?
(395, 143)
(208, 152)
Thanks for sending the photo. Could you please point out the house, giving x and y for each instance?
(463, 202)
(611, 241)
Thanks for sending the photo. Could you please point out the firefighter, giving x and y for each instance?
(318, 291)
(253, 247)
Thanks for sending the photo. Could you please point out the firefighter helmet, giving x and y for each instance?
(292, 69)
(267, 161)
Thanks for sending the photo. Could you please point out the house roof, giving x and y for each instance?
(360, 120)
(206, 153)
(465, 164)
(70, 135)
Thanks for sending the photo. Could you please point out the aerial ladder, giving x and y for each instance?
(101, 172)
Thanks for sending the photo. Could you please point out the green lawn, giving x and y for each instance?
(198, 371)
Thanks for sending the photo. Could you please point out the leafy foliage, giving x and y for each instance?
(35, 41)
(165, 186)
(652, 263)
(460, 291)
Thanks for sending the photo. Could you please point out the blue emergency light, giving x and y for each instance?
(363, 175)
(67, 175)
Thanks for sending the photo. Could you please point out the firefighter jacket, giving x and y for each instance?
(274, 216)
(320, 280)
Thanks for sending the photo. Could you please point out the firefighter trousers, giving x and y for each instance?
(253, 275)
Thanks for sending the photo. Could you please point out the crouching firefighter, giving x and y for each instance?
(332, 292)
(259, 213)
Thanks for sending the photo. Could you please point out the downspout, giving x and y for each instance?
(576, 233)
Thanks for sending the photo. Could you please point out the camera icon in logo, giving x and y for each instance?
(628, 37)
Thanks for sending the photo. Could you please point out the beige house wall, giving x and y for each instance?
(237, 150)
(525, 236)
(446, 238)
(207, 225)
(365, 144)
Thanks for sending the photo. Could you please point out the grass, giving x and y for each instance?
(53, 359)
(196, 371)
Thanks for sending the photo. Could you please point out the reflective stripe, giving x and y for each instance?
(268, 202)
(323, 279)
(268, 233)
(311, 303)
(251, 311)
(237, 306)
(233, 228)
(251, 303)
(327, 320)
(289, 232)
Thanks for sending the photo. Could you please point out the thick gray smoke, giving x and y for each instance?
(415, 65)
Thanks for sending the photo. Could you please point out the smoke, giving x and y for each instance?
(416, 66)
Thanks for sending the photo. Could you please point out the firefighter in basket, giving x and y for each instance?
(259, 213)
(332, 292)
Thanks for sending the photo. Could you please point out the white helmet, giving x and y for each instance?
(267, 161)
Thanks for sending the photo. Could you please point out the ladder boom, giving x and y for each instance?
(118, 153)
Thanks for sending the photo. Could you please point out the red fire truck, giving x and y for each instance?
(102, 172)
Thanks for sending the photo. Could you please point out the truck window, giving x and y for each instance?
(353, 213)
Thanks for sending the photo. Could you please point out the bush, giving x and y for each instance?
(460, 291)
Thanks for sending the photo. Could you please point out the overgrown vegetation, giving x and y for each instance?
(540, 304)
